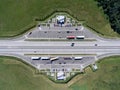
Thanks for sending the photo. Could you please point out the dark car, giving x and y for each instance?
(68, 31)
(76, 28)
(38, 25)
(72, 44)
(96, 45)
(30, 33)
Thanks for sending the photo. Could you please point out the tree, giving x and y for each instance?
(112, 9)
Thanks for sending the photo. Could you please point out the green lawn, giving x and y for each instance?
(14, 75)
(107, 77)
(15, 15)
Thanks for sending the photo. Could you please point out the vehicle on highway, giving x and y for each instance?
(72, 44)
(80, 37)
(96, 45)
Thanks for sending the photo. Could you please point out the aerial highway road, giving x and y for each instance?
(23, 49)
(55, 47)
(20, 48)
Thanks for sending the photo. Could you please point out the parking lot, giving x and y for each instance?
(59, 27)
(59, 32)
(66, 63)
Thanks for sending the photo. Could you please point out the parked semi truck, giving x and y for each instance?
(70, 37)
(54, 58)
(78, 58)
(35, 58)
(45, 58)
(80, 37)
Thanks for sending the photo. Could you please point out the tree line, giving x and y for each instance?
(112, 9)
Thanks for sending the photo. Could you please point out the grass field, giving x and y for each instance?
(14, 75)
(16, 15)
(106, 78)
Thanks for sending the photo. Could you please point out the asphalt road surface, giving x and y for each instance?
(60, 32)
(18, 47)
(53, 47)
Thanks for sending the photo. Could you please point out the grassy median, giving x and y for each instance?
(16, 16)
(15, 75)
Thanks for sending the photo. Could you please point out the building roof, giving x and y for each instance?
(60, 75)
(60, 17)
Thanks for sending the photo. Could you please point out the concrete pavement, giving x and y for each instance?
(19, 47)
(61, 47)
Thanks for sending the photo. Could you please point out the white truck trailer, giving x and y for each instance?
(80, 37)
(45, 58)
(54, 58)
(78, 58)
(35, 58)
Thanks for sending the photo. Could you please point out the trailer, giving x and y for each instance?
(78, 58)
(70, 37)
(54, 58)
(35, 58)
(67, 58)
(45, 58)
(80, 37)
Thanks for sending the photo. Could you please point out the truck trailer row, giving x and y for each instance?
(75, 37)
(55, 58)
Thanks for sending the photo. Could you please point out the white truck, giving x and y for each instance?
(45, 58)
(80, 37)
(78, 58)
(35, 58)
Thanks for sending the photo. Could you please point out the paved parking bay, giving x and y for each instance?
(64, 63)
(59, 32)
